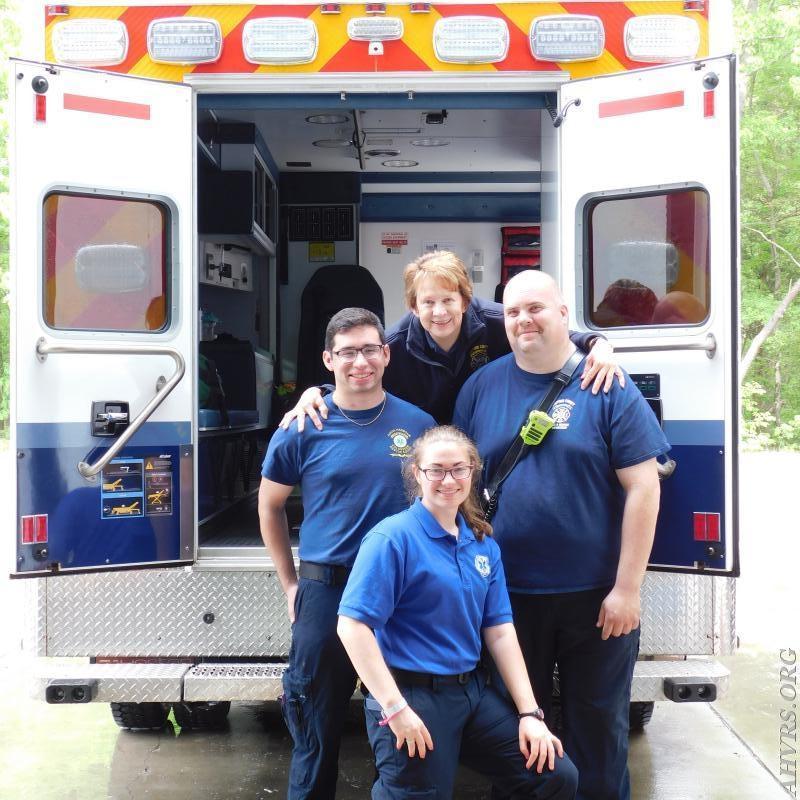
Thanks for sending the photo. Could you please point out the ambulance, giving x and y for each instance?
(183, 175)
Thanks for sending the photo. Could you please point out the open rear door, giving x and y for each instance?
(103, 320)
(649, 213)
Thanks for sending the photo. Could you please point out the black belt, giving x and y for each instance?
(331, 574)
(405, 677)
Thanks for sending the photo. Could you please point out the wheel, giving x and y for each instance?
(202, 716)
(640, 714)
(140, 716)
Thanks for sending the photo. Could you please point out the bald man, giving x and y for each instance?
(575, 524)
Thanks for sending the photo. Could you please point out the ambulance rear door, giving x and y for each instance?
(103, 322)
(649, 258)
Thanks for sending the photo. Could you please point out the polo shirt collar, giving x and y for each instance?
(430, 525)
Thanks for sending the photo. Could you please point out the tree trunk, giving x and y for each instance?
(777, 315)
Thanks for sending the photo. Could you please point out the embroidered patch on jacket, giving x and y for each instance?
(478, 356)
(400, 446)
(483, 566)
(561, 412)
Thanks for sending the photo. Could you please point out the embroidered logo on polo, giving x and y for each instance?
(400, 446)
(478, 356)
(561, 412)
(483, 566)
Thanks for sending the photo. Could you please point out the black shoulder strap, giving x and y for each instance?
(518, 447)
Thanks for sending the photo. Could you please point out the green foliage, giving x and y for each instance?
(768, 32)
(9, 40)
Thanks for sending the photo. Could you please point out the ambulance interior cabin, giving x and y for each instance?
(304, 209)
(311, 203)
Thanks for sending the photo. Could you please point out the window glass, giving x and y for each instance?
(105, 263)
(648, 260)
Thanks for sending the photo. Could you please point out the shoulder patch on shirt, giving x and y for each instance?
(483, 566)
(401, 443)
(478, 356)
(562, 410)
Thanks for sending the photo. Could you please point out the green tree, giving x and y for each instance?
(769, 44)
(9, 42)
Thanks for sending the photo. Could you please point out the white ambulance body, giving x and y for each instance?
(216, 161)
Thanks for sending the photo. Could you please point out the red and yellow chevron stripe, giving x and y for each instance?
(414, 53)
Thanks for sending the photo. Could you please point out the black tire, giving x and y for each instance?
(640, 714)
(140, 716)
(210, 716)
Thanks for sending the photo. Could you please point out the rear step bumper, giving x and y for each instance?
(251, 682)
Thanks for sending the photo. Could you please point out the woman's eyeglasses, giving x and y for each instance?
(457, 473)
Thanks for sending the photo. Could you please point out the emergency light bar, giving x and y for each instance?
(375, 29)
(470, 40)
(280, 40)
(90, 42)
(657, 38)
(567, 37)
(184, 40)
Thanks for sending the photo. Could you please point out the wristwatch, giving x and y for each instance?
(537, 713)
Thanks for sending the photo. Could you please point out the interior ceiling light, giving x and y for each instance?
(430, 142)
(90, 42)
(375, 29)
(567, 37)
(470, 40)
(328, 119)
(384, 153)
(280, 40)
(333, 143)
(659, 38)
(184, 40)
(400, 162)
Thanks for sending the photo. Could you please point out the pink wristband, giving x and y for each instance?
(386, 720)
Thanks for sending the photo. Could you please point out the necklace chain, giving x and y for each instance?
(364, 424)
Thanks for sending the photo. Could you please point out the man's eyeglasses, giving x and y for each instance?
(369, 351)
(438, 474)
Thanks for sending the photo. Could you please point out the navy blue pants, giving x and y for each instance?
(317, 685)
(594, 683)
(472, 724)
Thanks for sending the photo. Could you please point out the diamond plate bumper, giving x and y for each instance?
(244, 682)
(119, 683)
(648, 676)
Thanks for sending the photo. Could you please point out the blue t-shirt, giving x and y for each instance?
(426, 594)
(559, 517)
(350, 475)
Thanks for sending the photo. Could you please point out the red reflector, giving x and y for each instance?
(26, 533)
(637, 105)
(41, 108)
(57, 11)
(40, 528)
(330, 8)
(699, 527)
(420, 8)
(708, 104)
(706, 527)
(375, 8)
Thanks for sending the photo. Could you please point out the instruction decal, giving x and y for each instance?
(136, 487)
(321, 251)
(394, 241)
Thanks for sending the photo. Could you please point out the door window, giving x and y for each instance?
(106, 263)
(648, 259)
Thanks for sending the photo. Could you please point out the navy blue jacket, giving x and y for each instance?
(426, 376)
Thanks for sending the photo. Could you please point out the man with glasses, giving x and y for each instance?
(351, 479)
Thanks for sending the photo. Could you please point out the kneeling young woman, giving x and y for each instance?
(430, 584)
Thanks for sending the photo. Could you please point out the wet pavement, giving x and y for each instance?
(730, 749)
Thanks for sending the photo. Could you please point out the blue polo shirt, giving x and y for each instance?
(426, 594)
(350, 475)
(559, 517)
